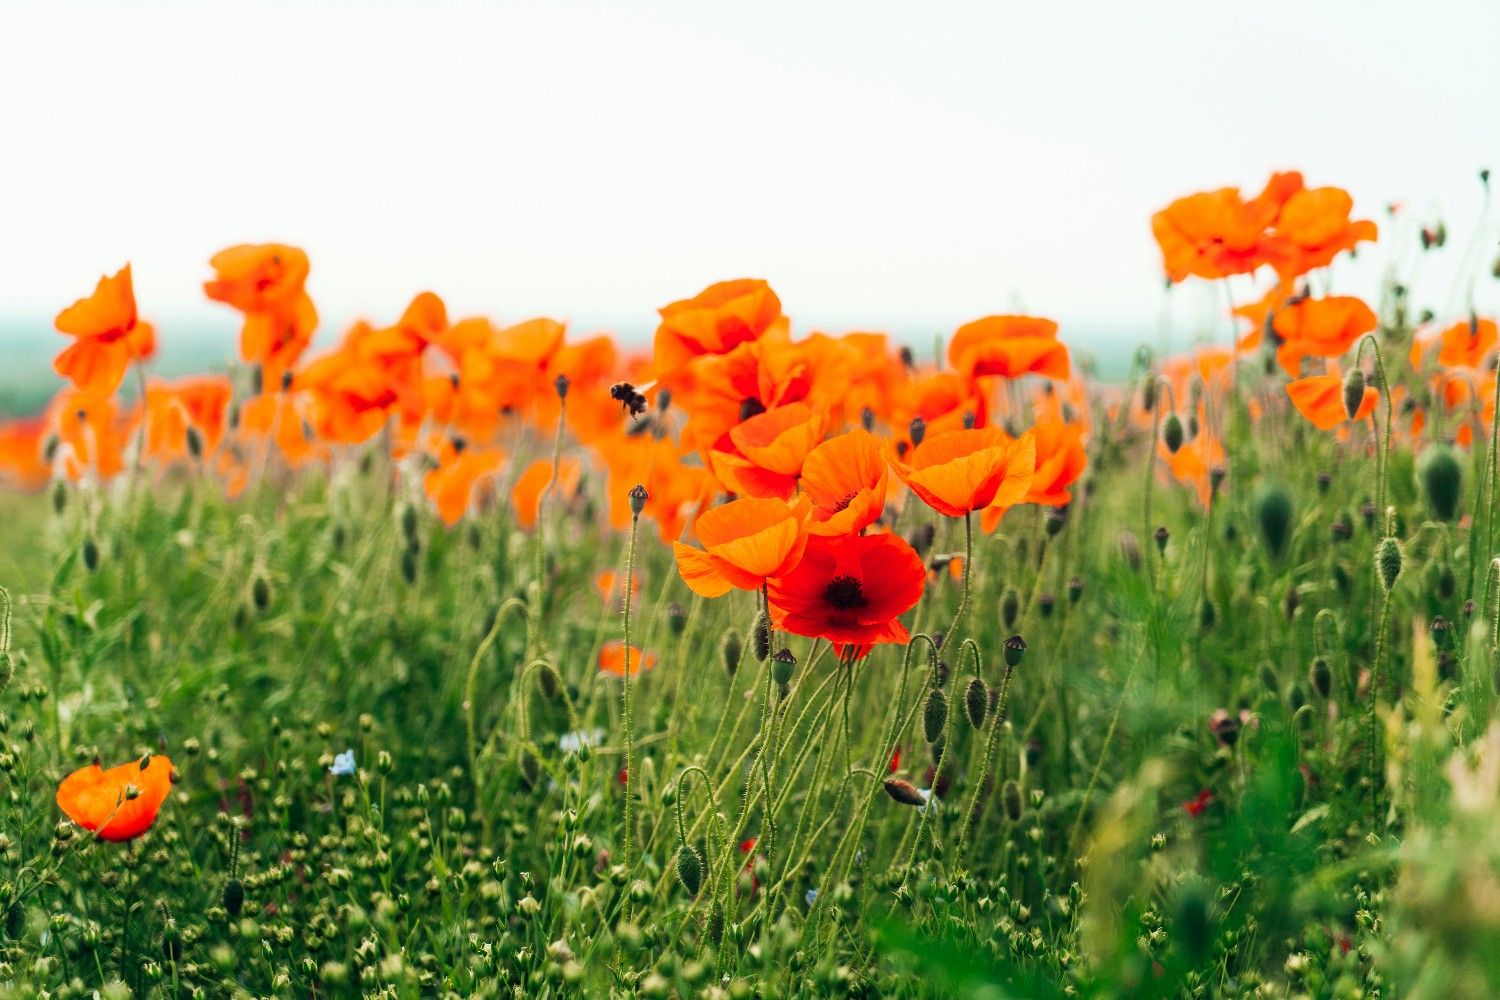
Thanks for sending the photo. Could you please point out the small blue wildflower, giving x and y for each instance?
(343, 764)
(812, 894)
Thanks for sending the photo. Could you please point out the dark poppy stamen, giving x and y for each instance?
(844, 503)
(751, 407)
(844, 592)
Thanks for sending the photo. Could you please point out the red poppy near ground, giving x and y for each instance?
(850, 590)
(612, 659)
(118, 804)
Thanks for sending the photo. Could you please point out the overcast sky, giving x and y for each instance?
(886, 165)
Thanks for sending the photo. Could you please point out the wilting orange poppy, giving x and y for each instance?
(957, 472)
(450, 486)
(109, 336)
(1009, 346)
(745, 542)
(714, 321)
(1315, 223)
(1324, 328)
(612, 659)
(850, 590)
(1060, 460)
(526, 495)
(265, 282)
(845, 478)
(118, 804)
(1320, 398)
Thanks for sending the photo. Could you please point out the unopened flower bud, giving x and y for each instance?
(934, 715)
(638, 498)
(1354, 392)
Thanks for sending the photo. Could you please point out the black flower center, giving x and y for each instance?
(844, 503)
(750, 408)
(844, 592)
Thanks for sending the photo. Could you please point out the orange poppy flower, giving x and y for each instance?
(450, 486)
(1214, 234)
(1258, 313)
(1466, 344)
(957, 472)
(944, 401)
(714, 321)
(850, 590)
(769, 451)
(1320, 398)
(1316, 223)
(109, 336)
(526, 495)
(118, 804)
(1324, 328)
(1060, 460)
(201, 404)
(607, 582)
(612, 659)
(678, 490)
(89, 433)
(845, 478)
(265, 282)
(1009, 346)
(21, 461)
(745, 542)
(1194, 462)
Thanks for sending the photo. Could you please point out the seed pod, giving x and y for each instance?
(1320, 676)
(1010, 607)
(783, 665)
(638, 498)
(560, 385)
(1354, 392)
(976, 702)
(1171, 433)
(904, 792)
(690, 869)
(234, 897)
(1015, 648)
(760, 632)
(935, 715)
(1161, 535)
(917, 430)
(1442, 478)
(1010, 797)
(1075, 590)
(1272, 506)
(731, 648)
(1388, 563)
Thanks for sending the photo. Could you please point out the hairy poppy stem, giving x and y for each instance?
(625, 704)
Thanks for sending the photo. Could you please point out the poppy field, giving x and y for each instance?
(468, 658)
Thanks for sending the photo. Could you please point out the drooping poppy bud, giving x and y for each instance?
(1171, 433)
(1320, 676)
(730, 650)
(935, 715)
(1442, 476)
(1272, 506)
(760, 633)
(917, 430)
(1010, 607)
(690, 869)
(1388, 559)
(976, 702)
(1354, 392)
(904, 792)
(1010, 798)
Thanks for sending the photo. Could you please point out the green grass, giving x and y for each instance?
(472, 855)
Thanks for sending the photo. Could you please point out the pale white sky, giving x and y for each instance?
(896, 165)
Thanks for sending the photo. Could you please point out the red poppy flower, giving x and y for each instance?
(118, 804)
(850, 590)
(109, 335)
(612, 659)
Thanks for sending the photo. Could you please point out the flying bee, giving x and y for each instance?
(633, 398)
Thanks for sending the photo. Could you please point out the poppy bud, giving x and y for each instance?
(1044, 604)
(1341, 530)
(906, 356)
(1442, 476)
(548, 683)
(934, 715)
(730, 650)
(1272, 506)
(783, 664)
(234, 897)
(1055, 518)
(690, 869)
(1015, 648)
(194, 442)
(90, 553)
(1320, 676)
(1367, 511)
(59, 497)
(1354, 391)
(1442, 632)
(1171, 433)
(1388, 563)
(408, 518)
(1216, 476)
(1010, 798)
(1161, 535)
(257, 380)
(676, 618)
(1148, 393)
(1207, 613)
(1324, 481)
(976, 702)
(260, 592)
(1447, 583)
(1010, 607)
(638, 498)
(409, 565)
(760, 633)
(917, 430)
(969, 420)
(904, 792)
(560, 385)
